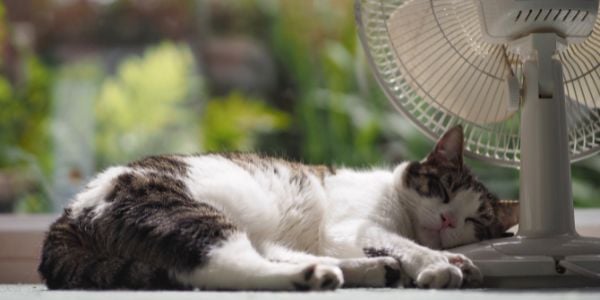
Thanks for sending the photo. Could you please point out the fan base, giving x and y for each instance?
(526, 262)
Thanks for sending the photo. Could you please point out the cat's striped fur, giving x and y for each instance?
(245, 221)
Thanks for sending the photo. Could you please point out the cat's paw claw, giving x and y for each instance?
(319, 277)
(441, 275)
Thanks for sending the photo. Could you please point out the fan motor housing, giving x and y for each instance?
(506, 20)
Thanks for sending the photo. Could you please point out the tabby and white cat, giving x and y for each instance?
(244, 221)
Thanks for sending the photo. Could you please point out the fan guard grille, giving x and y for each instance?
(493, 134)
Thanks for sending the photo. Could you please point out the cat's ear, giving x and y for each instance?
(507, 212)
(449, 148)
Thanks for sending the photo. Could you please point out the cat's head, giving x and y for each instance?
(449, 206)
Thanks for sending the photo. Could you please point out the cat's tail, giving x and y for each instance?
(70, 261)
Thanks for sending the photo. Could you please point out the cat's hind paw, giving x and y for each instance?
(319, 277)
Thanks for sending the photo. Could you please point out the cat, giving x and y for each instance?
(240, 221)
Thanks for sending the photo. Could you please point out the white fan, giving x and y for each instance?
(523, 78)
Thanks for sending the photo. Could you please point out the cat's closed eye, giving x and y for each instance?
(473, 220)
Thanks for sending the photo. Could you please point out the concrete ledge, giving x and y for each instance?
(21, 238)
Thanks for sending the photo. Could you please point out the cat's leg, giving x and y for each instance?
(358, 272)
(235, 264)
(425, 267)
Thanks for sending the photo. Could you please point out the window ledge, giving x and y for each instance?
(21, 239)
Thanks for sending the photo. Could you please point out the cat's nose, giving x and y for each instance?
(447, 220)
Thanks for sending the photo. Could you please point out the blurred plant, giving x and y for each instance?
(25, 147)
(147, 106)
(235, 123)
(335, 124)
(24, 114)
(586, 182)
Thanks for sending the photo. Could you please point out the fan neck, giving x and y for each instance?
(540, 48)
(545, 195)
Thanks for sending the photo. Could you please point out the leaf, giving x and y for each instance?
(235, 122)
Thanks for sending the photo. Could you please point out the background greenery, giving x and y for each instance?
(102, 82)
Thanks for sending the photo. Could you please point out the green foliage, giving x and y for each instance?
(33, 203)
(335, 124)
(24, 116)
(586, 186)
(25, 147)
(145, 108)
(235, 122)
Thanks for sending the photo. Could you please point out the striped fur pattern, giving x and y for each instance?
(244, 221)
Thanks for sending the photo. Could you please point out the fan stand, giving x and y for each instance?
(547, 251)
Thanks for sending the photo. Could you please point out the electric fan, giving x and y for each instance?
(523, 79)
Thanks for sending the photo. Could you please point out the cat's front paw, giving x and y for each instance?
(440, 275)
(448, 270)
(472, 277)
(319, 277)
